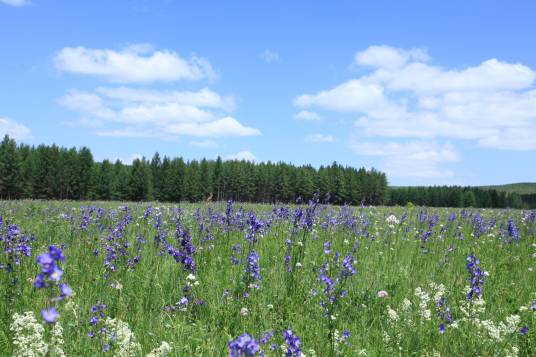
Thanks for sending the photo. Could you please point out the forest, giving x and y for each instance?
(53, 172)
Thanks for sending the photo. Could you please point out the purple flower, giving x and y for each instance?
(252, 267)
(327, 247)
(512, 230)
(243, 345)
(476, 277)
(65, 290)
(293, 343)
(523, 331)
(442, 328)
(40, 282)
(348, 269)
(47, 263)
(50, 315)
(56, 253)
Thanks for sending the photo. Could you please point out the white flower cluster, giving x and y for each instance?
(56, 341)
(28, 338)
(392, 221)
(439, 290)
(191, 280)
(163, 350)
(473, 308)
(126, 342)
(424, 300)
(499, 331)
(393, 315)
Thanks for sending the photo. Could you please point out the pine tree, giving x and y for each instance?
(9, 169)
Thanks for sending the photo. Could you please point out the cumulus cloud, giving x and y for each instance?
(419, 159)
(389, 57)
(15, 130)
(319, 138)
(128, 112)
(410, 113)
(404, 97)
(16, 3)
(307, 115)
(242, 155)
(139, 63)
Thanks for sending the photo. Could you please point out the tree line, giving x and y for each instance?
(457, 196)
(52, 172)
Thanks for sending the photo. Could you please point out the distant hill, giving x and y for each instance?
(522, 188)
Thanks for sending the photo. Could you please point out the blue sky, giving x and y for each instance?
(431, 92)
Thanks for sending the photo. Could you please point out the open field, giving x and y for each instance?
(366, 281)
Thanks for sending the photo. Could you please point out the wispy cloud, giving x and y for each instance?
(204, 144)
(269, 56)
(15, 130)
(307, 115)
(319, 138)
(16, 3)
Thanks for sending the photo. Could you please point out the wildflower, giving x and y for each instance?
(513, 232)
(244, 345)
(392, 221)
(382, 294)
(523, 331)
(28, 337)
(163, 350)
(476, 278)
(244, 311)
(293, 344)
(253, 268)
(443, 311)
(50, 315)
(393, 315)
(125, 342)
(56, 341)
(442, 328)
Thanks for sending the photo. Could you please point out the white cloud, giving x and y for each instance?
(86, 103)
(136, 64)
(492, 103)
(203, 98)
(16, 2)
(307, 115)
(319, 138)
(242, 155)
(350, 96)
(204, 144)
(15, 130)
(127, 112)
(418, 159)
(389, 57)
(270, 56)
(226, 126)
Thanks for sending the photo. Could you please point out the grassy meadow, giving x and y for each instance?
(310, 279)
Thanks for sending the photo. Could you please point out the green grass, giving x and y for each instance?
(393, 259)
